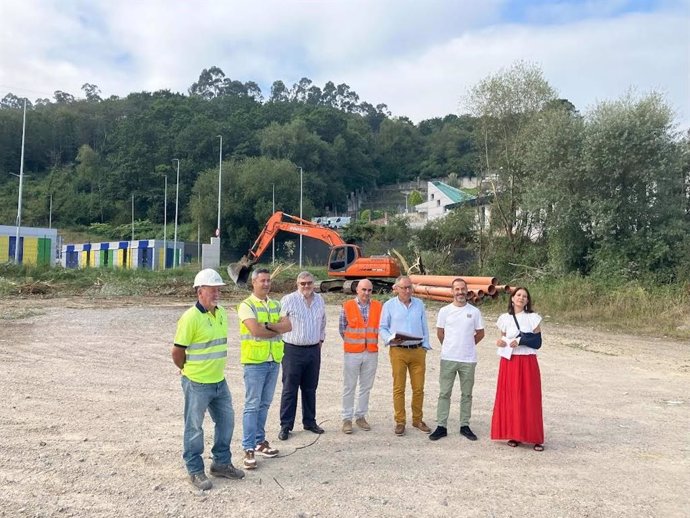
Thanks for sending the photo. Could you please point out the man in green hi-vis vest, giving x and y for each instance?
(200, 351)
(261, 350)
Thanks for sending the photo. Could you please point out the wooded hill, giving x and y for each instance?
(606, 191)
(92, 154)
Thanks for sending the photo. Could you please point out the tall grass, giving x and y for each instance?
(649, 309)
(633, 307)
(42, 280)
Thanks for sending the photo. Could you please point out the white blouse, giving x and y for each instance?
(528, 323)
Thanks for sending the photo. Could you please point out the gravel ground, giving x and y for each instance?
(91, 425)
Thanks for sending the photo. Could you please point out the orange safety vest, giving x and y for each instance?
(358, 336)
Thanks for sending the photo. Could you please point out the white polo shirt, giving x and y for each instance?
(459, 325)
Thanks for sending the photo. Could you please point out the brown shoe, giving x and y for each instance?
(399, 430)
(421, 425)
(347, 426)
(249, 460)
(362, 423)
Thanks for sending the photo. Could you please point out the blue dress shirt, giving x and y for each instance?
(399, 318)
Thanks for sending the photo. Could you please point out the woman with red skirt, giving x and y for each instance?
(517, 415)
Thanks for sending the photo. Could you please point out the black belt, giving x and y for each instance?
(413, 346)
(298, 345)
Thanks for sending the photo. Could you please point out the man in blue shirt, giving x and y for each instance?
(406, 315)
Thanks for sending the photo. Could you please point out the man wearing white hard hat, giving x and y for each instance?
(200, 352)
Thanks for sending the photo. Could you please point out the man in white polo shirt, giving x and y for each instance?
(459, 328)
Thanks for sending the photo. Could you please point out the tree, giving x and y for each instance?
(210, 83)
(415, 198)
(89, 182)
(92, 92)
(279, 92)
(398, 150)
(247, 202)
(300, 90)
(296, 143)
(450, 147)
(506, 104)
(63, 97)
(12, 102)
(555, 195)
(632, 164)
(442, 239)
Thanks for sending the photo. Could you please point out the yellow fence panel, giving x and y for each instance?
(4, 249)
(30, 252)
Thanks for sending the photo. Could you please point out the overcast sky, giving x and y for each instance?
(419, 57)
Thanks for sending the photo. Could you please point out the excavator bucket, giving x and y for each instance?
(239, 272)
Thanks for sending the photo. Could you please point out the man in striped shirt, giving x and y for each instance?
(302, 361)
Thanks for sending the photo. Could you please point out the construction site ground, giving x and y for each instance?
(91, 425)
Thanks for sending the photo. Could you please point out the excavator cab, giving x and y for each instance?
(342, 256)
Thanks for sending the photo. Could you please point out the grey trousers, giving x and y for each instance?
(358, 366)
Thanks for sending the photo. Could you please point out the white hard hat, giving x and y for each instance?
(208, 277)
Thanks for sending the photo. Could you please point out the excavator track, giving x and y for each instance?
(329, 286)
(350, 286)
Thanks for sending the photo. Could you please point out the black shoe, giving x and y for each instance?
(465, 430)
(440, 431)
(314, 428)
(284, 434)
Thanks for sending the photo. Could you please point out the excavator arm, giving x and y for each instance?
(280, 222)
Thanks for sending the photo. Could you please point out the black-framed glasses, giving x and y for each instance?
(306, 283)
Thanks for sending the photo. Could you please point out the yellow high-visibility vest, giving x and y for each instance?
(259, 350)
(205, 339)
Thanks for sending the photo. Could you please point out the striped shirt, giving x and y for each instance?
(308, 321)
(363, 309)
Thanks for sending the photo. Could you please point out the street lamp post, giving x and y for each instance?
(177, 200)
(21, 184)
(220, 176)
(273, 241)
(165, 224)
(406, 194)
(300, 216)
(132, 219)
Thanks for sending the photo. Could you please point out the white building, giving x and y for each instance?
(441, 198)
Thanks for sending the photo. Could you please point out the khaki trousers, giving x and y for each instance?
(402, 361)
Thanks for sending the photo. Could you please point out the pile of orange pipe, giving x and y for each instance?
(438, 287)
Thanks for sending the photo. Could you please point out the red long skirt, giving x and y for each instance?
(517, 409)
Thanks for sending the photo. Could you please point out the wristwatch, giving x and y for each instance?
(266, 327)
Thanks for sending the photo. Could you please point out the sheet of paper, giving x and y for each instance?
(506, 351)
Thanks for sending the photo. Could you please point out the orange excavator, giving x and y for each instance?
(346, 264)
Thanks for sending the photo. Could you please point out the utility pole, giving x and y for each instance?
(177, 200)
(132, 219)
(21, 185)
(165, 224)
(220, 176)
(273, 241)
(301, 185)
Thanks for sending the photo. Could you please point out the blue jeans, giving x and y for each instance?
(217, 399)
(259, 385)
